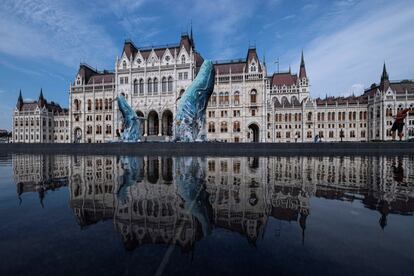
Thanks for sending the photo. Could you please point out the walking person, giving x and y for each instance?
(398, 124)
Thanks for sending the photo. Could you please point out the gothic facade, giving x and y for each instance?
(40, 121)
(248, 104)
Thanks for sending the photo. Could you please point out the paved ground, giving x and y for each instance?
(217, 149)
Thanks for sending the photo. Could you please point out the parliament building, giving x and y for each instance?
(248, 104)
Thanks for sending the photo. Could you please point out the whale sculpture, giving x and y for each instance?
(191, 186)
(189, 123)
(131, 166)
(131, 123)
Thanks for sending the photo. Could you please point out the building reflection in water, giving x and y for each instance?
(179, 200)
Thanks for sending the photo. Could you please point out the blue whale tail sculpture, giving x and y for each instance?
(189, 123)
(131, 123)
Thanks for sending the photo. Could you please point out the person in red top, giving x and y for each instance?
(399, 123)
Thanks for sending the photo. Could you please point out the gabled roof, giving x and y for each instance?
(252, 54)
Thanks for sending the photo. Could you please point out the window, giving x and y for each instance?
(236, 126)
(253, 96)
(331, 134)
(185, 75)
(164, 84)
(182, 59)
(226, 98)
(180, 76)
(236, 98)
(352, 134)
(110, 104)
(89, 130)
(223, 127)
(253, 112)
(155, 86)
(213, 99)
(89, 105)
(149, 87)
(236, 113)
(310, 117)
(170, 84)
(77, 104)
(211, 127)
(108, 129)
(124, 65)
(309, 134)
(106, 104)
(253, 67)
(136, 87)
(141, 87)
(221, 98)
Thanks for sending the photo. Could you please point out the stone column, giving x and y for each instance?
(159, 126)
(146, 127)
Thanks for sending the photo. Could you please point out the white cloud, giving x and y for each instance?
(355, 53)
(52, 31)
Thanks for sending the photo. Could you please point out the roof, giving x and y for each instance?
(91, 75)
(399, 87)
(131, 50)
(284, 78)
(252, 54)
(224, 67)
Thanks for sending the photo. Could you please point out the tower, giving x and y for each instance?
(303, 81)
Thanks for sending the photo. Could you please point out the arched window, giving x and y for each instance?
(309, 116)
(182, 59)
(110, 104)
(211, 127)
(164, 84)
(100, 104)
(213, 98)
(141, 87)
(236, 98)
(106, 104)
(170, 84)
(226, 98)
(135, 87)
(333, 116)
(221, 98)
(223, 127)
(253, 96)
(76, 103)
(155, 86)
(124, 65)
(89, 105)
(89, 130)
(149, 86)
(236, 126)
(253, 67)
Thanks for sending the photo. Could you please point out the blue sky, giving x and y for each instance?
(345, 42)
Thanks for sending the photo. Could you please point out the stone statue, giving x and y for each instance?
(130, 122)
(189, 123)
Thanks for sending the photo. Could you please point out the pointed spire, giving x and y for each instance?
(302, 70)
(384, 75)
(20, 99)
(41, 94)
(19, 103)
(41, 101)
(290, 70)
(385, 82)
(302, 60)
